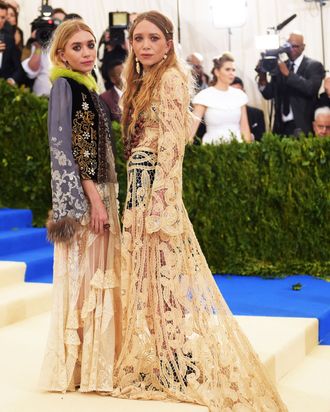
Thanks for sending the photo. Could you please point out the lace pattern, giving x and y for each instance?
(85, 331)
(180, 340)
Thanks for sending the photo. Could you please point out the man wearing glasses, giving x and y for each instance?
(294, 88)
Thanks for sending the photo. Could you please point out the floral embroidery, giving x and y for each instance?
(67, 194)
(84, 141)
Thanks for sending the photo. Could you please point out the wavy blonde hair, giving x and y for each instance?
(139, 88)
(62, 35)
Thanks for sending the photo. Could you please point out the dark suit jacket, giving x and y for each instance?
(302, 88)
(111, 98)
(256, 122)
(323, 100)
(11, 65)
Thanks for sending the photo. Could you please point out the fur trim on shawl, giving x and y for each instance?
(63, 230)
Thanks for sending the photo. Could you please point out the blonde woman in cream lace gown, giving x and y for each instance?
(180, 340)
(85, 328)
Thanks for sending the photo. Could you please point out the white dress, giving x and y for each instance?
(223, 113)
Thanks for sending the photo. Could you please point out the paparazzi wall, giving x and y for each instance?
(198, 32)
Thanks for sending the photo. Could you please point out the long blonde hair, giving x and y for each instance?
(139, 88)
(62, 35)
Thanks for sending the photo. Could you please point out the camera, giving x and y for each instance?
(44, 26)
(269, 58)
(118, 23)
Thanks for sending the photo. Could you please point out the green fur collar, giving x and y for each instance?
(87, 80)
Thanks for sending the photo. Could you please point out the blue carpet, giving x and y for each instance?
(11, 218)
(255, 296)
(251, 296)
(22, 243)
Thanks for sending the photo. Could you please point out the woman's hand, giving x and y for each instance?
(99, 217)
(98, 212)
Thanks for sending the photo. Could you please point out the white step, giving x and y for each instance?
(22, 300)
(21, 350)
(281, 343)
(11, 272)
(22, 346)
(307, 387)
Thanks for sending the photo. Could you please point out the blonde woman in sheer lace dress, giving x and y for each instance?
(86, 316)
(180, 340)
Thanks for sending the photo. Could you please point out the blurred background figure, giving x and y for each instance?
(195, 60)
(10, 65)
(35, 59)
(294, 86)
(59, 14)
(12, 18)
(321, 124)
(114, 88)
(13, 3)
(222, 106)
(71, 16)
(256, 116)
(324, 99)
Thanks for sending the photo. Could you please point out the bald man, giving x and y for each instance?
(321, 124)
(294, 89)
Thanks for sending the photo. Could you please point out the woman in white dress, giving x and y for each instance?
(222, 106)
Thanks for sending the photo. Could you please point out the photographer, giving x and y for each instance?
(36, 66)
(10, 66)
(294, 87)
(114, 43)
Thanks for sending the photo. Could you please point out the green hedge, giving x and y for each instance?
(259, 209)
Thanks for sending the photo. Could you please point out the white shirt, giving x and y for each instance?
(223, 114)
(42, 84)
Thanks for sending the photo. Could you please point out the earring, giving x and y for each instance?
(67, 65)
(137, 66)
(165, 56)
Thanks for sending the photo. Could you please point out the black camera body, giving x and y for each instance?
(44, 26)
(118, 23)
(269, 59)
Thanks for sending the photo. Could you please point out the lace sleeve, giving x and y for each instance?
(165, 209)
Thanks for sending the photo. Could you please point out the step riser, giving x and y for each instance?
(21, 241)
(20, 309)
(296, 351)
(11, 273)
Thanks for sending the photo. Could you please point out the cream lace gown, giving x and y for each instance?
(86, 316)
(180, 340)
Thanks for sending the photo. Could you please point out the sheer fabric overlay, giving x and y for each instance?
(85, 330)
(180, 340)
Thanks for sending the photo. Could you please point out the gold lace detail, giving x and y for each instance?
(180, 340)
(84, 141)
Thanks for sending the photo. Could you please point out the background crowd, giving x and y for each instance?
(300, 103)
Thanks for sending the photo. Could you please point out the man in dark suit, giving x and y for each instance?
(256, 116)
(324, 99)
(294, 89)
(10, 65)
